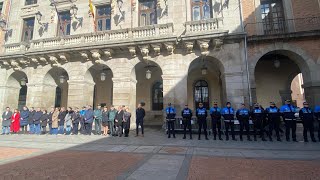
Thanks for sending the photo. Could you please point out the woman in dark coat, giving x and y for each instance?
(24, 117)
(75, 121)
(105, 120)
(118, 121)
(126, 121)
(44, 122)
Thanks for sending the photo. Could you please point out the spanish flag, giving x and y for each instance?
(91, 8)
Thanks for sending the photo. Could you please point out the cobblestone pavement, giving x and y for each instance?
(154, 157)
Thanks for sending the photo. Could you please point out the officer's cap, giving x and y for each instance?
(272, 103)
(256, 104)
(243, 104)
(99, 105)
(305, 103)
(215, 103)
(186, 105)
(169, 104)
(228, 103)
(288, 100)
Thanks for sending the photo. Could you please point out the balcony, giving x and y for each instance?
(277, 28)
(107, 38)
(203, 26)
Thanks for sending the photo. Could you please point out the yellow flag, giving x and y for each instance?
(91, 8)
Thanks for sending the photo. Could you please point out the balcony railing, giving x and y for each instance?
(140, 33)
(274, 27)
(203, 25)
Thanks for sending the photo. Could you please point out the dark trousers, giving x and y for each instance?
(258, 126)
(24, 129)
(119, 130)
(82, 128)
(187, 124)
(50, 128)
(202, 125)
(216, 124)
(230, 125)
(97, 126)
(319, 130)
(274, 123)
(308, 126)
(171, 128)
(44, 129)
(139, 122)
(126, 132)
(244, 124)
(291, 125)
(87, 128)
(75, 128)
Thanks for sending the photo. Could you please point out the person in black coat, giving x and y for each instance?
(75, 121)
(307, 116)
(44, 121)
(118, 121)
(61, 117)
(6, 121)
(50, 119)
(126, 121)
(105, 120)
(37, 120)
(140, 113)
(30, 120)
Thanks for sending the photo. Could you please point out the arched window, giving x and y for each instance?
(201, 9)
(147, 12)
(157, 96)
(201, 93)
(22, 97)
(58, 97)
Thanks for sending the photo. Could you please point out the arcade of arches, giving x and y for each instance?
(180, 79)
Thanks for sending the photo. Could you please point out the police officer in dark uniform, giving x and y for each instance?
(317, 114)
(186, 115)
(171, 115)
(201, 114)
(288, 113)
(306, 115)
(243, 115)
(215, 113)
(273, 115)
(257, 115)
(228, 115)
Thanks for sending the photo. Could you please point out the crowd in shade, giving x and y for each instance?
(72, 121)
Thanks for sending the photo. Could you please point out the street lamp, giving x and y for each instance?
(204, 70)
(148, 74)
(103, 76)
(23, 81)
(62, 79)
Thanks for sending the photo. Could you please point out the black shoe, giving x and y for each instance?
(169, 136)
(313, 140)
(220, 139)
(249, 139)
(199, 138)
(184, 137)
(227, 138)
(207, 138)
(240, 139)
(214, 138)
(234, 139)
(174, 136)
(294, 140)
(288, 140)
(306, 140)
(190, 137)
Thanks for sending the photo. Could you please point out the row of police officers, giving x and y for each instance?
(264, 121)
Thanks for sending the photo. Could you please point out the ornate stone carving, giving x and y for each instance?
(132, 51)
(204, 46)
(96, 54)
(108, 53)
(85, 55)
(43, 59)
(64, 57)
(23, 62)
(54, 60)
(189, 46)
(35, 60)
(170, 47)
(144, 51)
(218, 44)
(156, 48)
(15, 65)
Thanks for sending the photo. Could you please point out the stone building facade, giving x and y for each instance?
(122, 52)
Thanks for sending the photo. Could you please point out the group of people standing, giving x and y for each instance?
(115, 122)
(264, 120)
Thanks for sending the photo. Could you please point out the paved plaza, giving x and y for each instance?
(154, 157)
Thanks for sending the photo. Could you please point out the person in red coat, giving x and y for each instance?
(15, 121)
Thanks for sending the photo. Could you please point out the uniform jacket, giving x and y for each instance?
(24, 117)
(140, 113)
(68, 118)
(112, 115)
(31, 114)
(126, 118)
(62, 116)
(306, 114)
(257, 114)
(37, 117)
(215, 113)
(98, 114)
(288, 111)
(228, 113)
(170, 112)
(55, 119)
(88, 116)
(201, 113)
(76, 117)
(243, 114)
(186, 113)
(119, 116)
(105, 116)
(44, 120)
(317, 112)
(273, 113)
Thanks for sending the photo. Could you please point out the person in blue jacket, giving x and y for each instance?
(288, 114)
(186, 114)
(307, 117)
(202, 114)
(215, 113)
(317, 114)
(24, 117)
(82, 112)
(273, 115)
(88, 120)
(228, 115)
(258, 115)
(36, 121)
(243, 116)
(171, 115)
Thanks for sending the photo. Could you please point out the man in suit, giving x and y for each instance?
(6, 121)
(88, 120)
(140, 113)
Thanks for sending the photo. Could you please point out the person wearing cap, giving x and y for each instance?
(243, 115)
(228, 115)
(186, 114)
(202, 114)
(171, 115)
(215, 113)
(273, 116)
(257, 115)
(97, 114)
(317, 114)
(288, 114)
(306, 114)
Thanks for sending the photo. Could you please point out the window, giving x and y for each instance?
(22, 97)
(58, 97)
(201, 93)
(64, 23)
(29, 2)
(103, 18)
(1, 7)
(147, 12)
(157, 96)
(201, 9)
(28, 26)
(272, 16)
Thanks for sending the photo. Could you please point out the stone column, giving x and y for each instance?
(10, 96)
(234, 89)
(285, 95)
(80, 93)
(124, 93)
(41, 95)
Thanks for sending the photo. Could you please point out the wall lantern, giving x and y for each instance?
(74, 10)
(62, 79)
(103, 76)
(23, 81)
(276, 63)
(204, 70)
(148, 74)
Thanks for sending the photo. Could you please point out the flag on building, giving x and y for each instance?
(92, 13)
